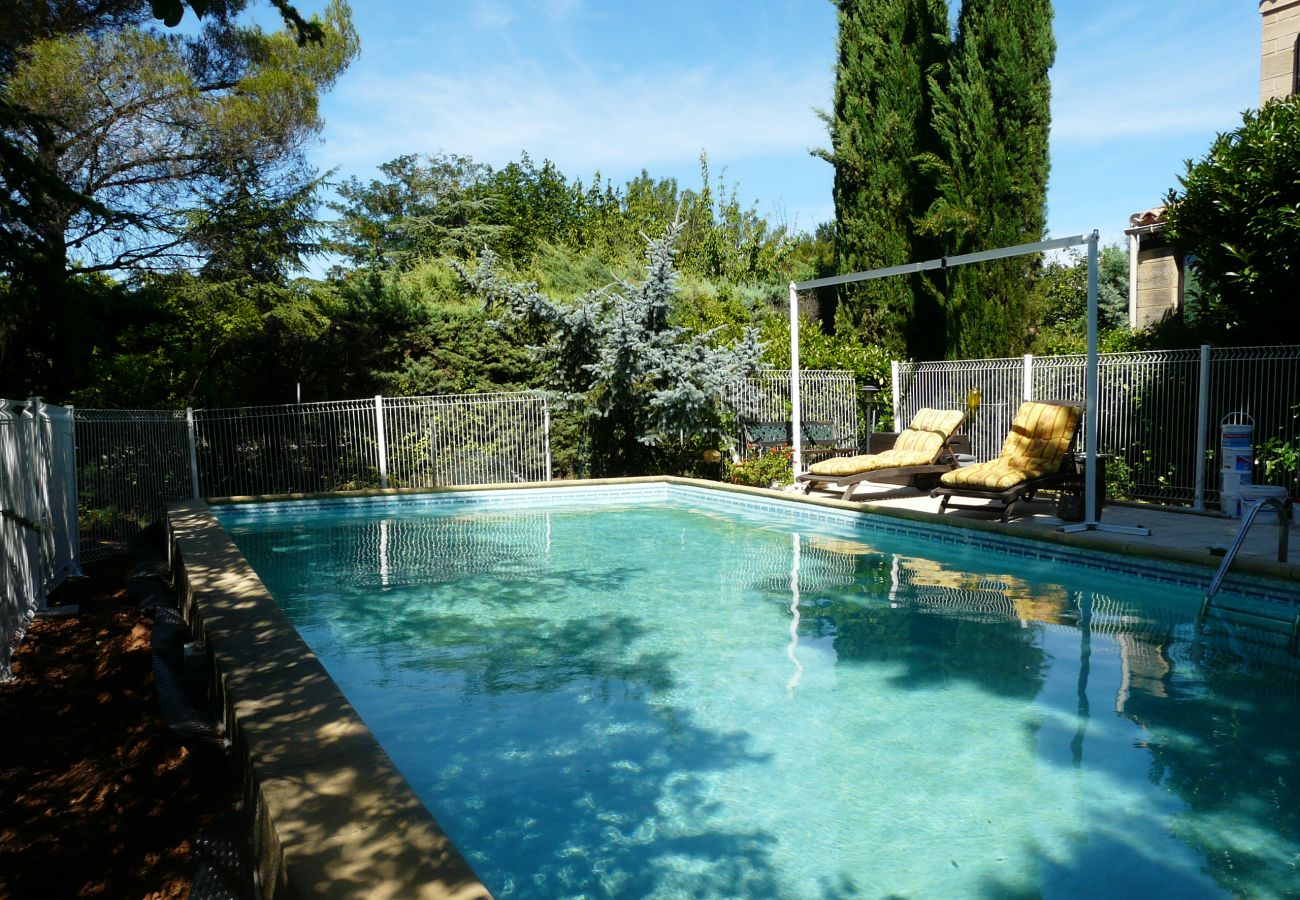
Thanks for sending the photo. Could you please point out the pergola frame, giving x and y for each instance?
(1091, 520)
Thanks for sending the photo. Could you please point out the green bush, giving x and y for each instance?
(1238, 213)
(767, 469)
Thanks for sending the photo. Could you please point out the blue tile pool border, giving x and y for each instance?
(801, 509)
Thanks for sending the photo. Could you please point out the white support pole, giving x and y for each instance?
(796, 417)
(546, 420)
(1028, 388)
(1090, 389)
(1202, 425)
(1134, 244)
(1092, 410)
(382, 439)
(70, 477)
(194, 453)
(896, 393)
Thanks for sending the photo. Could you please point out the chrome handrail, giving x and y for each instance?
(1246, 521)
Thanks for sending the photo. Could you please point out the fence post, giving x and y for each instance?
(194, 453)
(546, 420)
(897, 392)
(1028, 390)
(1202, 425)
(383, 441)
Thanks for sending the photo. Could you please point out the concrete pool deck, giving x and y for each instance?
(1172, 530)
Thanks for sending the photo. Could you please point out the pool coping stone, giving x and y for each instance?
(332, 816)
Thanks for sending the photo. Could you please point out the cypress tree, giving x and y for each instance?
(992, 118)
(889, 52)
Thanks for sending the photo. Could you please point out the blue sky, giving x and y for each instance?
(1139, 86)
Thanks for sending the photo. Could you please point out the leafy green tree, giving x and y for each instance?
(424, 207)
(647, 391)
(1061, 297)
(1238, 213)
(889, 51)
(146, 134)
(992, 117)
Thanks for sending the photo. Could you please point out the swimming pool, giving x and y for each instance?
(665, 691)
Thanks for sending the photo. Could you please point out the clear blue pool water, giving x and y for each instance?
(667, 698)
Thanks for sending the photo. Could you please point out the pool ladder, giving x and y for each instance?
(1292, 627)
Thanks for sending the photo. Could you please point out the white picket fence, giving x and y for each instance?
(38, 514)
(1160, 412)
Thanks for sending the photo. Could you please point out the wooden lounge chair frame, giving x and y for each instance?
(1067, 475)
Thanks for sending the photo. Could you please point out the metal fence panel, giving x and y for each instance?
(1149, 406)
(130, 464)
(1264, 383)
(467, 439)
(38, 532)
(825, 395)
(289, 449)
(946, 385)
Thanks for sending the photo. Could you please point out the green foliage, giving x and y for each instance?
(647, 390)
(168, 152)
(425, 207)
(1280, 458)
(771, 468)
(1238, 213)
(843, 350)
(888, 53)
(1061, 301)
(992, 117)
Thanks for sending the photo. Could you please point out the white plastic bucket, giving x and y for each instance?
(1252, 492)
(1236, 460)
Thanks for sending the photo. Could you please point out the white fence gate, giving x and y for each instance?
(1159, 411)
(38, 514)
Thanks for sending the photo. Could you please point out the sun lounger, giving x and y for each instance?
(923, 448)
(1037, 454)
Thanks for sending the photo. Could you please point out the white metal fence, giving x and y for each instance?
(38, 514)
(825, 395)
(1159, 411)
(131, 463)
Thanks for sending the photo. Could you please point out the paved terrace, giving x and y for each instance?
(1170, 528)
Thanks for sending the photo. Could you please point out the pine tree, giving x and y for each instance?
(889, 51)
(992, 118)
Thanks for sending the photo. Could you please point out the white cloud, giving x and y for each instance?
(581, 120)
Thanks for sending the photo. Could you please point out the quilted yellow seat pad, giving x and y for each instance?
(918, 445)
(841, 466)
(1040, 436)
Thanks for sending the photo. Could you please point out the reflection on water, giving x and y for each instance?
(659, 701)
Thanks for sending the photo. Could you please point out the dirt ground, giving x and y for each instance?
(97, 797)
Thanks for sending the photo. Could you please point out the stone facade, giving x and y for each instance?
(1159, 283)
(1155, 270)
(1278, 48)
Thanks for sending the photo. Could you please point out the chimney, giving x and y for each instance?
(1279, 49)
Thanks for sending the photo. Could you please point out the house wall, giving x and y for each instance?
(1159, 283)
(1280, 20)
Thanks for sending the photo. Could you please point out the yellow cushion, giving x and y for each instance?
(842, 466)
(1040, 436)
(918, 445)
(928, 431)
